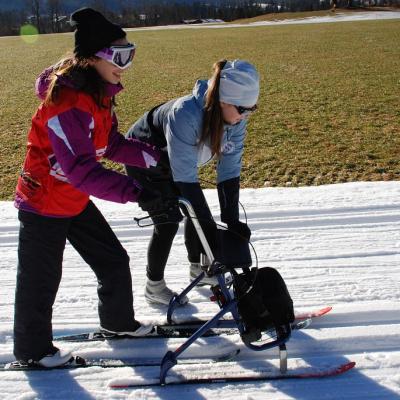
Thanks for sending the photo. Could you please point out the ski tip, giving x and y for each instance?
(341, 369)
(347, 366)
(324, 310)
(313, 314)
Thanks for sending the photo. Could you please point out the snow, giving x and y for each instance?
(335, 245)
(335, 17)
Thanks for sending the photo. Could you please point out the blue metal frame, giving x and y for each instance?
(175, 301)
(230, 306)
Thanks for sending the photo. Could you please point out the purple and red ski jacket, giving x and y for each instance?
(65, 143)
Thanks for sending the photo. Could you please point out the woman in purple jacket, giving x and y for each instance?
(73, 128)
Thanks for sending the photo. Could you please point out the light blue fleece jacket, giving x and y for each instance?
(181, 121)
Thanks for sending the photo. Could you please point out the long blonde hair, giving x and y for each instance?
(213, 122)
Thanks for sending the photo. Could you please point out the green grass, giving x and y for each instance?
(328, 111)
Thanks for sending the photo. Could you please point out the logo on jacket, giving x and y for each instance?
(228, 147)
(55, 169)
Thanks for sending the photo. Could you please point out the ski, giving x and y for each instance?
(181, 330)
(258, 375)
(313, 314)
(79, 362)
(184, 330)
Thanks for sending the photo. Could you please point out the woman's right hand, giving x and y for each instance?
(150, 200)
(162, 171)
(157, 197)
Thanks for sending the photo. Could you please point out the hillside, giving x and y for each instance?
(71, 5)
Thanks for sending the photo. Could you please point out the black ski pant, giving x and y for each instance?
(166, 223)
(160, 246)
(40, 253)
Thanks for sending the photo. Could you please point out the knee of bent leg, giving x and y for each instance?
(125, 258)
(121, 266)
(166, 230)
(121, 258)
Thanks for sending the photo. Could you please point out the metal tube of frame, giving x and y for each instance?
(198, 228)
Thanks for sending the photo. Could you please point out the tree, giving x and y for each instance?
(35, 8)
(10, 22)
(53, 7)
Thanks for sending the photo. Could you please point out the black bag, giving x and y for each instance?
(263, 299)
(232, 251)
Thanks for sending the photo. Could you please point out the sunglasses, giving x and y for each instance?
(246, 110)
(120, 56)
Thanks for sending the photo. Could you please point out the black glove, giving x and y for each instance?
(228, 195)
(162, 171)
(193, 193)
(150, 200)
(163, 162)
(241, 229)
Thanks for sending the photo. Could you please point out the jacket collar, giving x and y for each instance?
(113, 89)
(43, 81)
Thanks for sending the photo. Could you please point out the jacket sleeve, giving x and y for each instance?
(230, 162)
(228, 195)
(130, 151)
(70, 137)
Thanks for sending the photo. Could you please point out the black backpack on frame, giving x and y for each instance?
(263, 299)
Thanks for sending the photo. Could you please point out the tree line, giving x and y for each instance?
(51, 16)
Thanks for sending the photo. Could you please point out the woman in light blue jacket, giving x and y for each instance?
(191, 130)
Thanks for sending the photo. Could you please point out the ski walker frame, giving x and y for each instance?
(226, 301)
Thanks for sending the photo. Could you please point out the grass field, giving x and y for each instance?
(329, 109)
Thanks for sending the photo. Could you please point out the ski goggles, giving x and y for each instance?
(246, 110)
(120, 56)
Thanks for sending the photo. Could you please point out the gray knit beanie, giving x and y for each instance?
(239, 84)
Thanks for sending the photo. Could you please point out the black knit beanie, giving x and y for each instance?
(93, 32)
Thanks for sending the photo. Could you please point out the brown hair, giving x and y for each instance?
(81, 74)
(213, 122)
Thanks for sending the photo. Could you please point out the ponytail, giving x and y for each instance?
(213, 122)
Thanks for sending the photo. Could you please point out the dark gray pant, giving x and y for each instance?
(165, 221)
(40, 254)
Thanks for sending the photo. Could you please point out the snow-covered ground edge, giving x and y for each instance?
(335, 17)
(335, 245)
